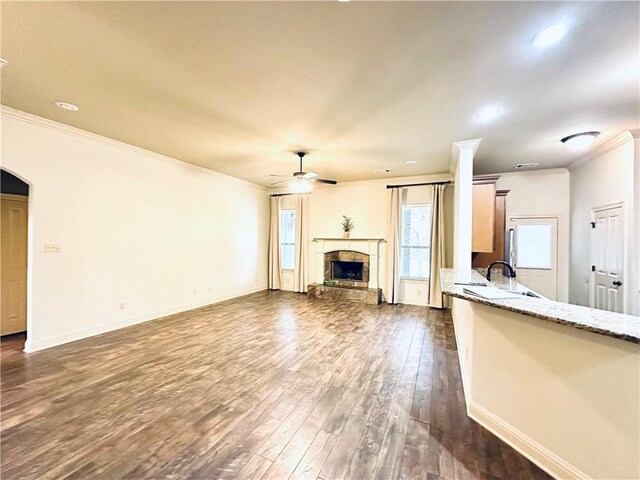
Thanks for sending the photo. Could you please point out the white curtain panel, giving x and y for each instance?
(301, 270)
(274, 244)
(437, 247)
(393, 244)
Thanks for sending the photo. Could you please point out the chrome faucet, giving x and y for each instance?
(512, 272)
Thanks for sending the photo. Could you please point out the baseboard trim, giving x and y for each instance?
(541, 456)
(38, 345)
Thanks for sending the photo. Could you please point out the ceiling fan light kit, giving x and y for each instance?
(301, 179)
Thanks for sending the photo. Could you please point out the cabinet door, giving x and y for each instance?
(483, 218)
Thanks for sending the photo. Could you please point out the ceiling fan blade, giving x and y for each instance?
(280, 183)
(310, 175)
(323, 180)
(278, 175)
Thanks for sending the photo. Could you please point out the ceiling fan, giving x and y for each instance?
(300, 179)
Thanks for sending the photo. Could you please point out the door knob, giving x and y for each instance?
(617, 283)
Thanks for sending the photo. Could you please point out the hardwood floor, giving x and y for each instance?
(273, 385)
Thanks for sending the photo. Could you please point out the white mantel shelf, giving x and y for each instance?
(368, 246)
(351, 239)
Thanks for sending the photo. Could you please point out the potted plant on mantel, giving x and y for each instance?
(347, 226)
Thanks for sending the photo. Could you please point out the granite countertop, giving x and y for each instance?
(617, 325)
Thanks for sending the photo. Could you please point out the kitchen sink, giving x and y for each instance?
(525, 293)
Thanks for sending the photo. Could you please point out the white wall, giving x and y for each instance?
(599, 181)
(155, 234)
(542, 193)
(367, 202)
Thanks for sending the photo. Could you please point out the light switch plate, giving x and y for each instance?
(51, 248)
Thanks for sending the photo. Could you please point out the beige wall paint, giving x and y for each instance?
(134, 228)
(604, 180)
(367, 203)
(566, 398)
(542, 193)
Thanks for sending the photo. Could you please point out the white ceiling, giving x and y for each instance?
(236, 86)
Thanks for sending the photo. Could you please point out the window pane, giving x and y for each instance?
(416, 239)
(287, 239)
(533, 246)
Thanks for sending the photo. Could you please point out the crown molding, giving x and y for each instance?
(110, 142)
(615, 142)
(635, 133)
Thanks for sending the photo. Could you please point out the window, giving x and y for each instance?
(415, 245)
(288, 239)
(533, 246)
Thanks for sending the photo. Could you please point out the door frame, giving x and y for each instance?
(541, 217)
(30, 257)
(592, 238)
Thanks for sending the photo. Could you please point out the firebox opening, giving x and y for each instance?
(347, 270)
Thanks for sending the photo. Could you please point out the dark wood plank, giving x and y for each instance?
(271, 385)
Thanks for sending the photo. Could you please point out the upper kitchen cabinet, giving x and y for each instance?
(484, 214)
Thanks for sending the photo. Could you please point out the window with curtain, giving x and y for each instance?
(287, 239)
(415, 241)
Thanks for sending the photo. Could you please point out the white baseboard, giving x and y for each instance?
(34, 346)
(541, 456)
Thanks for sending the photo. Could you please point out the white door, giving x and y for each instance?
(534, 253)
(607, 253)
(13, 282)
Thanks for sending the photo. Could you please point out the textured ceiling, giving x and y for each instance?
(236, 86)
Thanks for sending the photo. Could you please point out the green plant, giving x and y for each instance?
(347, 223)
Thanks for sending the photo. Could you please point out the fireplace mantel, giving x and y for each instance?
(343, 239)
(369, 246)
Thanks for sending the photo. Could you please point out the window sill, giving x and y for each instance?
(286, 270)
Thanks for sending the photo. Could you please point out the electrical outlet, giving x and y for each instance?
(419, 292)
(195, 291)
(209, 287)
(51, 248)
(466, 353)
(122, 306)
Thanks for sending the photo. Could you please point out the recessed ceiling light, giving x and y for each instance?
(411, 162)
(580, 141)
(382, 170)
(344, 1)
(3, 62)
(526, 165)
(488, 113)
(550, 35)
(68, 106)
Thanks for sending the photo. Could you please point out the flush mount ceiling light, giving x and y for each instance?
(411, 162)
(580, 141)
(488, 113)
(68, 106)
(550, 35)
(344, 1)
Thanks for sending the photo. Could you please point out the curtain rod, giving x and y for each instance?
(419, 184)
(285, 194)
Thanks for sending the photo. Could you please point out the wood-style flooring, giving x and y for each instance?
(272, 385)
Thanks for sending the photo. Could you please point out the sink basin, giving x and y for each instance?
(524, 293)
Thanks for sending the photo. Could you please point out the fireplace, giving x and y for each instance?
(347, 268)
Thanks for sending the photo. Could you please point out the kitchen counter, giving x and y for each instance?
(623, 327)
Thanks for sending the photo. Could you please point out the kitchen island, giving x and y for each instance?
(559, 382)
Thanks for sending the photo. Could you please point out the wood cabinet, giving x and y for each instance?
(485, 258)
(483, 214)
